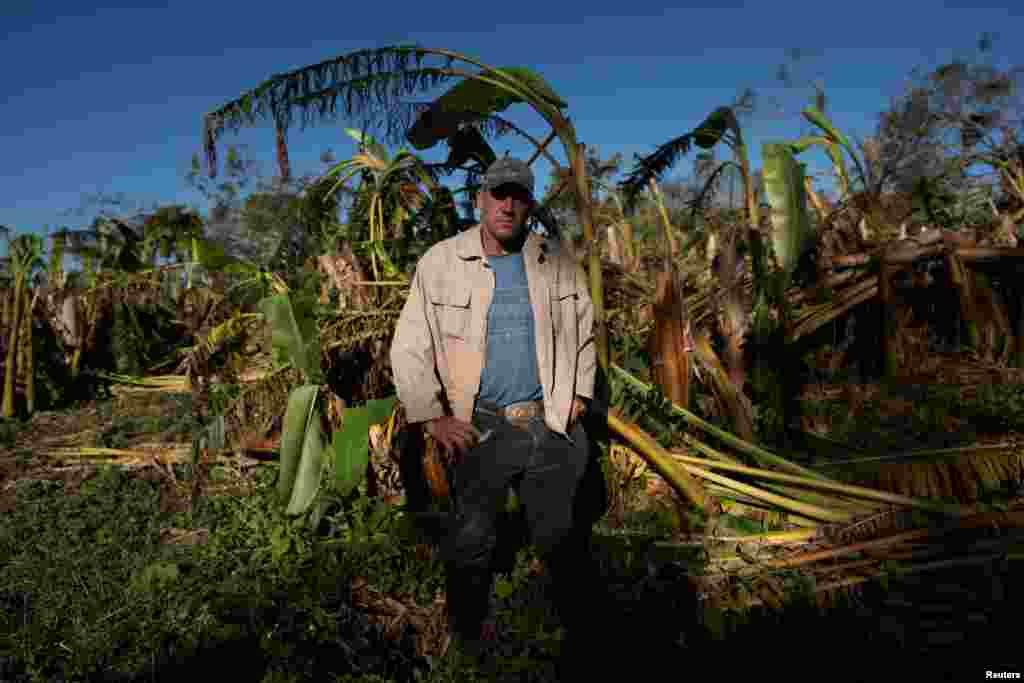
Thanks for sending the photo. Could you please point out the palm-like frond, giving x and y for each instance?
(365, 83)
(720, 125)
(653, 166)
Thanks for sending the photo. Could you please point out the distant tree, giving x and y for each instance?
(274, 222)
(559, 198)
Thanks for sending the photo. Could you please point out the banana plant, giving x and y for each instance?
(391, 193)
(25, 254)
(378, 81)
(785, 191)
(720, 126)
(305, 451)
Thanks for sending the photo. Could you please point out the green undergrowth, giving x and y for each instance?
(90, 590)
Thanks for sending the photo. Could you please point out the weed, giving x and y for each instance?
(9, 429)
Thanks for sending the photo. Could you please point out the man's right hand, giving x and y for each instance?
(456, 436)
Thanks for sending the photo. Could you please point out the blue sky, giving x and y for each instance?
(107, 97)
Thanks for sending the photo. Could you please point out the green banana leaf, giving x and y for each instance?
(294, 334)
(375, 149)
(309, 470)
(472, 99)
(784, 189)
(836, 155)
(818, 119)
(801, 145)
(351, 443)
(710, 131)
(297, 416)
(468, 144)
(380, 409)
(351, 446)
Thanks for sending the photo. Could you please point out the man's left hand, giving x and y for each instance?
(579, 409)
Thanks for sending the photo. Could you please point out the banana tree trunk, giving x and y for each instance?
(584, 210)
(670, 352)
(29, 370)
(962, 284)
(11, 366)
(629, 247)
(670, 235)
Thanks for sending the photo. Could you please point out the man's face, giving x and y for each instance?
(503, 211)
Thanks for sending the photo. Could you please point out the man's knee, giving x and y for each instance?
(471, 540)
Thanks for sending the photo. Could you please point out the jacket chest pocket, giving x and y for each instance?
(453, 313)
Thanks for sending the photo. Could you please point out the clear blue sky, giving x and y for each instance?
(107, 97)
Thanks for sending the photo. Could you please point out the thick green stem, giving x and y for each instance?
(732, 440)
(11, 366)
(30, 382)
(584, 210)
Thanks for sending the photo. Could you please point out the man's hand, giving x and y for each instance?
(456, 436)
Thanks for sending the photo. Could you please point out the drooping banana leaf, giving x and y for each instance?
(379, 409)
(472, 99)
(818, 119)
(351, 446)
(801, 145)
(784, 189)
(351, 443)
(294, 333)
(468, 144)
(298, 414)
(711, 129)
(834, 139)
(310, 468)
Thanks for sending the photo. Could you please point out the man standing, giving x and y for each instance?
(494, 354)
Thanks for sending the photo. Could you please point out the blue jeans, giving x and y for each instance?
(546, 469)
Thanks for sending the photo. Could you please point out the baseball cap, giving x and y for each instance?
(508, 171)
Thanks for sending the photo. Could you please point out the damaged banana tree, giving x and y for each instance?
(305, 451)
(396, 72)
(25, 257)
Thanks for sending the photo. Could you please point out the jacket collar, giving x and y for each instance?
(468, 245)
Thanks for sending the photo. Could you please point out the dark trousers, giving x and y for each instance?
(546, 469)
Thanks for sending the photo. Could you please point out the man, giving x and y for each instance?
(494, 355)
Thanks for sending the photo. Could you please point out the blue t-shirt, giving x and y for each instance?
(510, 373)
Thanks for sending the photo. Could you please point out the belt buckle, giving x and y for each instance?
(519, 414)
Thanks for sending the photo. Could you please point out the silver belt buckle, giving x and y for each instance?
(519, 414)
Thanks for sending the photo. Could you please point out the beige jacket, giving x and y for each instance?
(438, 350)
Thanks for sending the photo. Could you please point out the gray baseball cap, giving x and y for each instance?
(508, 171)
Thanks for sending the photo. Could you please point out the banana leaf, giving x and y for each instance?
(711, 129)
(473, 99)
(375, 149)
(467, 144)
(818, 119)
(351, 443)
(784, 188)
(801, 145)
(351, 446)
(294, 334)
(310, 468)
(298, 415)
